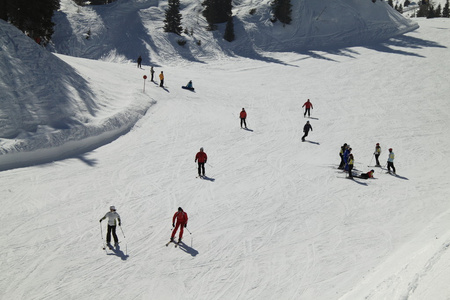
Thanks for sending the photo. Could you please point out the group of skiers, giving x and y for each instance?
(179, 220)
(347, 160)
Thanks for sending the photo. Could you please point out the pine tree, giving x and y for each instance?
(431, 12)
(217, 11)
(229, 30)
(32, 17)
(282, 11)
(438, 12)
(172, 22)
(445, 11)
(407, 3)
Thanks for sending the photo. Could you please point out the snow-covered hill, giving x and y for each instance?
(275, 219)
(134, 28)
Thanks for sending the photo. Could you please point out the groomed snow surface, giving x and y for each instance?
(275, 219)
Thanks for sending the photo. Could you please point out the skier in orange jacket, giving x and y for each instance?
(182, 219)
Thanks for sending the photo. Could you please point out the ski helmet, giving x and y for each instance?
(112, 207)
(378, 144)
(390, 149)
(201, 149)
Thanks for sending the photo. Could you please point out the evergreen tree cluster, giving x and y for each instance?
(282, 10)
(217, 11)
(429, 11)
(34, 18)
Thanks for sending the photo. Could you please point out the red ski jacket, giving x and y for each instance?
(201, 157)
(308, 104)
(243, 115)
(181, 217)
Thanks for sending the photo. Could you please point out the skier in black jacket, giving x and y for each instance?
(306, 129)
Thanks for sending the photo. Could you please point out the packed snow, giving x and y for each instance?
(275, 218)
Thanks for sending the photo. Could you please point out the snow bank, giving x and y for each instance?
(46, 103)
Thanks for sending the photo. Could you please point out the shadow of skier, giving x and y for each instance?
(116, 251)
(187, 249)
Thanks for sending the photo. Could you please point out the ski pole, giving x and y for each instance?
(371, 160)
(122, 231)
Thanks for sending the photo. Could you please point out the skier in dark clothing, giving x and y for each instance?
(350, 165)
(152, 72)
(341, 154)
(306, 129)
(377, 154)
(346, 155)
(139, 61)
(201, 158)
(182, 219)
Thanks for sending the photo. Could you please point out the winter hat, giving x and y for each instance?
(372, 171)
(201, 149)
(378, 144)
(390, 149)
(180, 209)
(112, 207)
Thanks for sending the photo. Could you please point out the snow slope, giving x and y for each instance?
(134, 28)
(276, 220)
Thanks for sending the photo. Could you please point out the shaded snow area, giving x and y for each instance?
(59, 109)
(274, 218)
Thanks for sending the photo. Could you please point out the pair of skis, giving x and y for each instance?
(176, 243)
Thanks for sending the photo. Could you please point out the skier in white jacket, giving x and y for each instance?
(113, 220)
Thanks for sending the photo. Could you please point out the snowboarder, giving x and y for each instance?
(113, 220)
(341, 154)
(139, 61)
(350, 165)
(161, 78)
(306, 129)
(201, 158)
(367, 175)
(152, 72)
(308, 105)
(390, 162)
(243, 116)
(377, 154)
(189, 85)
(182, 219)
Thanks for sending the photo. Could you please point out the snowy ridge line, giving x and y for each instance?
(67, 143)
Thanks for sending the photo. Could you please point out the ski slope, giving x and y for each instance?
(276, 219)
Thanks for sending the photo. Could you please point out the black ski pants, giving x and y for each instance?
(341, 165)
(305, 135)
(376, 159)
(350, 168)
(243, 122)
(390, 165)
(201, 169)
(307, 110)
(111, 229)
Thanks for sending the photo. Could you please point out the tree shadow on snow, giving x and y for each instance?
(89, 162)
(187, 249)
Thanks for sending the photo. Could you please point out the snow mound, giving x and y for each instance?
(46, 103)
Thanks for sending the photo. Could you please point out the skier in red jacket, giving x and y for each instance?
(182, 219)
(201, 158)
(243, 116)
(308, 105)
